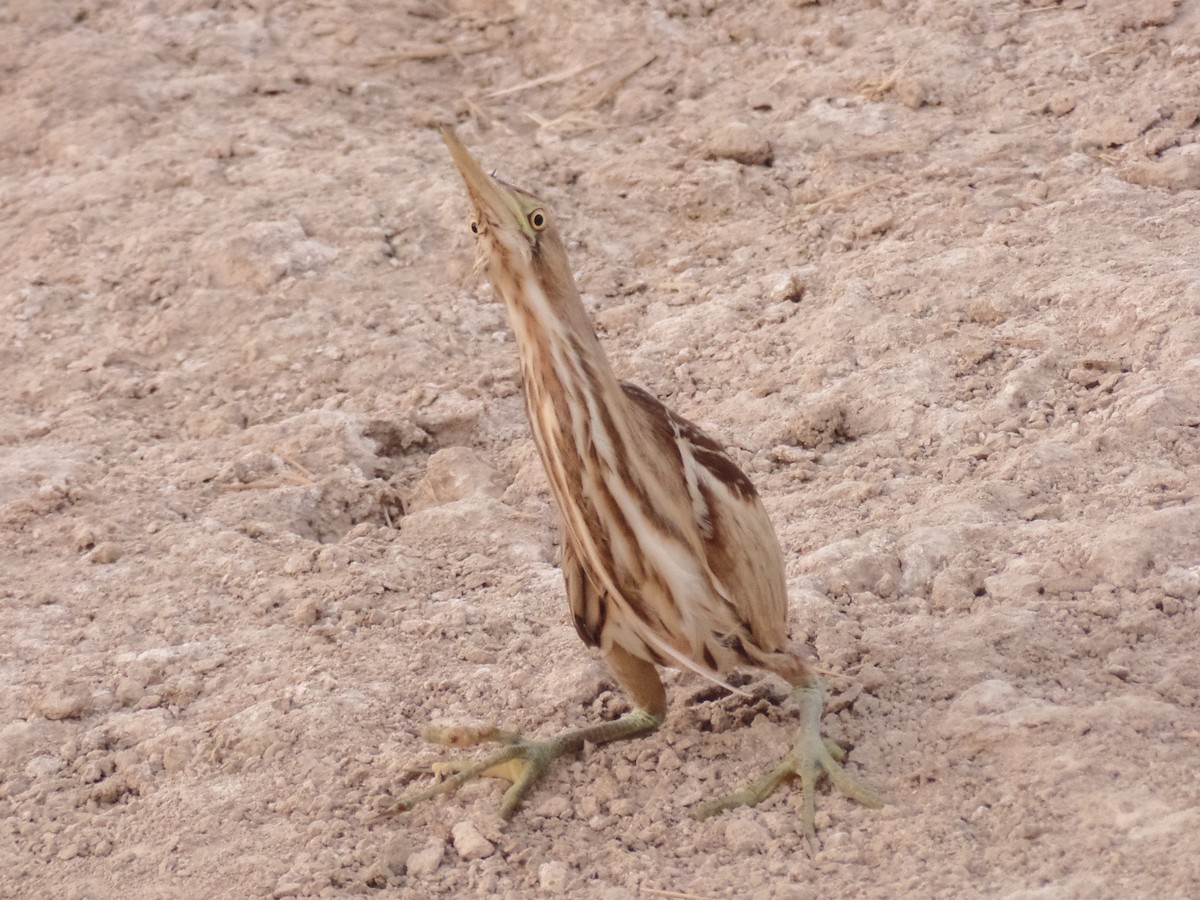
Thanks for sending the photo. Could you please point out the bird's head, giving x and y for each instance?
(516, 237)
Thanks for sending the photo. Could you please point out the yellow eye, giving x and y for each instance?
(537, 220)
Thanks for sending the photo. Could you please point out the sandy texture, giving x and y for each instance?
(268, 501)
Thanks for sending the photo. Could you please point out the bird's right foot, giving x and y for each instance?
(810, 757)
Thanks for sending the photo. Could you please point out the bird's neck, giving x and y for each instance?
(563, 356)
(558, 347)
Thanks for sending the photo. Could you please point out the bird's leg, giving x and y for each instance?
(523, 761)
(809, 757)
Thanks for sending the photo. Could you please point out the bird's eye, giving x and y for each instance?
(537, 220)
(474, 227)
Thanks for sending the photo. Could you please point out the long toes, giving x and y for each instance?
(808, 769)
(828, 757)
(834, 749)
(532, 769)
(752, 794)
(467, 735)
(857, 790)
(710, 808)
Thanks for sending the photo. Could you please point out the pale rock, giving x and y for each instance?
(924, 553)
(740, 142)
(746, 836)
(1014, 584)
(425, 862)
(854, 565)
(1131, 544)
(395, 855)
(553, 877)
(1182, 583)
(64, 702)
(669, 761)
(453, 474)
(786, 287)
(911, 92)
(555, 807)
(1175, 171)
(306, 611)
(44, 766)
(1147, 13)
(952, 588)
(105, 553)
(469, 843)
(450, 417)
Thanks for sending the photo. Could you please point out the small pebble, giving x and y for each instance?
(395, 855)
(66, 702)
(130, 691)
(741, 143)
(787, 287)
(84, 538)
(554, 807)
(469, 843)
(425, 862)
(552, 877)
(744, 836)
(669, 761)
(306, 612)
(911, 92)
(298, 564)
(1182, 583)
(68, 852)
(107, 552)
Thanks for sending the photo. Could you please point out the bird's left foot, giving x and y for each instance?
(809, 758)
(519, 760)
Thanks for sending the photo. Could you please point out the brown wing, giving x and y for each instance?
(588, 607)
(739, 543)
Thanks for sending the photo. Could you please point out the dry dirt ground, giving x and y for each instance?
(269, 503)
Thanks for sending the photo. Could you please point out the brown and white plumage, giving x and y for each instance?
(668, 554)
(695, 600)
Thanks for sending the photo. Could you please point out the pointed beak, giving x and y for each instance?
(489, 197)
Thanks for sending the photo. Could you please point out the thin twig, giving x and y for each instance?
(265, 484)
(1054, 7)
(554, 78)
(678, 895)
(299, 468)
(567, 121)
(606, 93)
(874, 90)
(428, 52)
(849, 192)
(832, 198)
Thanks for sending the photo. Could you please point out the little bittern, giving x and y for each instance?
(667, 552)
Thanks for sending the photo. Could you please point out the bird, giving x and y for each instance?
(668, 555)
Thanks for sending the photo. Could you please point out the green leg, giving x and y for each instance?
(809, 757)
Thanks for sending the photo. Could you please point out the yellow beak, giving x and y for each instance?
(491, 199)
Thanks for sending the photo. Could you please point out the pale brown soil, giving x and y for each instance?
(269, 503)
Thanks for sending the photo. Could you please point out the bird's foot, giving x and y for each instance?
(810, 757)
(519, 760)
